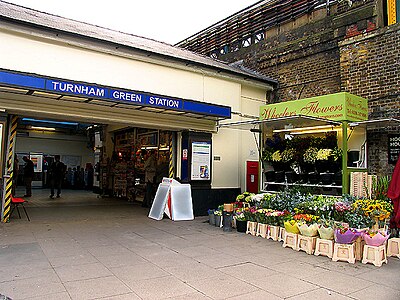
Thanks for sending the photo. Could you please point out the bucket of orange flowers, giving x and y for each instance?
(307, 224)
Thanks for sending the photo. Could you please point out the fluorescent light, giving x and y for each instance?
(164, 149)
(320, 127)
(312, 131)
(149, 147)
(43, 128)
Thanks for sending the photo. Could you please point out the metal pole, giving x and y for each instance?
(345, 171)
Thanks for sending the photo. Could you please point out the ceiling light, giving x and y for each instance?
(43, 128)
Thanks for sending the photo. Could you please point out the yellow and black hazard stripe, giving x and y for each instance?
(12, 132)
(171, 160)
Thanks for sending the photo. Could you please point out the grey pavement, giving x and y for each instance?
(84, 247)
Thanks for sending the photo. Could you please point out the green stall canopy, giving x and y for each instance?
(336, 107)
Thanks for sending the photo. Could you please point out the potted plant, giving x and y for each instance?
(375, 238)
(291, 227)
(307, 224)
(322, 160)
(211, 216)
(326, 229)
(218, 217)
(250, 214)
(240, 219)
(345, 235)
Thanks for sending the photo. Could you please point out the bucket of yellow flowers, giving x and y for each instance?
(378, 210)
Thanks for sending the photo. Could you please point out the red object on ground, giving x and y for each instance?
(394, 194)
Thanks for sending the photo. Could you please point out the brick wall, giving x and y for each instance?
(345, 49)
(369, 66)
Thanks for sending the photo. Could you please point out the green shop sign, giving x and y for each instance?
(336, 107)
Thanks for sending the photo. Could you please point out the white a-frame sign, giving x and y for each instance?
(174, 199)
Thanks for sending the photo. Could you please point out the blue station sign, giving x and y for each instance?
(64, 87)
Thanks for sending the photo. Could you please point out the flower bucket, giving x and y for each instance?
(308, 230)
(241, 226)
(326, 233)
(376, 240)
(291, 227)
(218, 221)
(348, 237)
(211, 218)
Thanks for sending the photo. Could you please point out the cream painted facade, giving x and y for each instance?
(45, 52)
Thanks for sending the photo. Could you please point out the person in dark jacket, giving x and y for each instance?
(28, 176)
(57, 174)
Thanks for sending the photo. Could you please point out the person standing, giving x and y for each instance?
(150, 167)
(28, 176)
(57, 173)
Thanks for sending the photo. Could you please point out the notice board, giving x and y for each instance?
(393, 148)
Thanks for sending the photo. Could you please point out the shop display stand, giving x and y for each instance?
(306, 243)
(282, 233)
(251, 228)
(324, 247)
(344, 252)
(262, 230)
(290, 240)
(393, 248)
(375, 255)
(273, 233)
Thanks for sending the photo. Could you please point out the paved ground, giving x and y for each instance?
(87, 249)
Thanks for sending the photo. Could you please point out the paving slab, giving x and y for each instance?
(161, 288)
(103, 287)
(109, 249)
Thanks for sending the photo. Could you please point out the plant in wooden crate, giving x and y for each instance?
(344, 234)
(291, 226)
(250, 215)
(326, 228)
(307, 224)
(378, 210)
(375, 238)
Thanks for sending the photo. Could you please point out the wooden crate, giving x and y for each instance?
(251, 228)
(324, 247)
(374, 255)
(262, 230)
(290, 240)
(344, 252)
(393, 248)
(306, 243)
(273, 232)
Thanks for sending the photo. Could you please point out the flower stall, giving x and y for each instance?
(314, 143)
(342, 228)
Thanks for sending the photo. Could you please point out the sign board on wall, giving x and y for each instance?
(201, 160)
(336, 107)
(393, 148)
(111, 93)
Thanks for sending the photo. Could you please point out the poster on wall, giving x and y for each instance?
(201, 160)
(37, 160)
